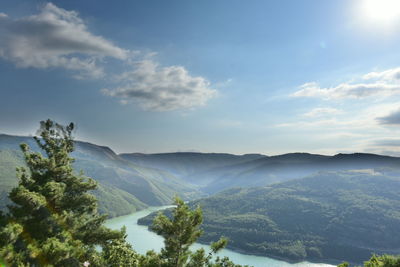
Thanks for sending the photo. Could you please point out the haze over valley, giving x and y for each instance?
(294, 206)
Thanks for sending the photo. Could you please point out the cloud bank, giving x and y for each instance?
(55, 38)
(161, 88)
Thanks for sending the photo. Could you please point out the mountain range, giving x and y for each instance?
(295, 206)
(128, 182)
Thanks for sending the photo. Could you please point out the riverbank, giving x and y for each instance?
(143, 240)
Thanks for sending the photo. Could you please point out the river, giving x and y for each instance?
(143, 240)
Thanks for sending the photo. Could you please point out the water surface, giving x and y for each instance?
(143, 240)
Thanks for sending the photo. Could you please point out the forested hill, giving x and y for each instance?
(331, 215)
(123, 186)
(345, 216)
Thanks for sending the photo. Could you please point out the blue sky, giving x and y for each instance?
(230, 76)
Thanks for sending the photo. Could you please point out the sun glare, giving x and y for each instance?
(381, 11)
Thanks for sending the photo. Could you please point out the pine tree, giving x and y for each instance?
(54, 220)
(179, 233)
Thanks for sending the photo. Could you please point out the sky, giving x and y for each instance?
(231, 76)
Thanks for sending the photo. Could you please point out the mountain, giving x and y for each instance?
(328, 216)
(184, 164)
(213, 172)
(123, 186)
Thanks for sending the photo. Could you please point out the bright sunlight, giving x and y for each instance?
(381, 11)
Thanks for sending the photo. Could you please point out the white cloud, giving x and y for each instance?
(55, 38)
(387, 75)
(348, 90)
(319, 112)
(381, 84)
(161, 88)
(335, 124)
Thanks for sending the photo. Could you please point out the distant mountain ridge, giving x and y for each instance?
(214, 172)
(137, 180)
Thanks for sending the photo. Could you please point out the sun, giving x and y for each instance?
(381, 11)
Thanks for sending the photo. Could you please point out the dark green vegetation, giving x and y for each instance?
(331, 215)
(53, 220)
(123, 186)
(379, 261)
(344, 215)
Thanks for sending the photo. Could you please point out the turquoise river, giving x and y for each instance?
(143, 240)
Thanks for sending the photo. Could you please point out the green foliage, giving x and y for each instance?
(379, 261)
(179, 233)
(333, 215)
(53, 220)
(383, 261)
(119, 253)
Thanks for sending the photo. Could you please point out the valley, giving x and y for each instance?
(295, 206)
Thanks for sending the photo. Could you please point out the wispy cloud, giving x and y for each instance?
(390, 119)
(383, 84)
(330, 124)
(319, 112)
(387, 142)
(348, 90)
(387, 75)
(161, 88)
(55, 38)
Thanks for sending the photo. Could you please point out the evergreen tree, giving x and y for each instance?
(179, 233)
(54, 220)
(379, 261)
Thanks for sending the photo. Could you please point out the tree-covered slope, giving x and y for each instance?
(331, 215)
(124, 186)
(344, 215)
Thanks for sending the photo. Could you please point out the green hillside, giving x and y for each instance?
(331, 215)
(123, 186)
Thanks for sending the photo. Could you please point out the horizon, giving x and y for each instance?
(261, 77)
(214, 152)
